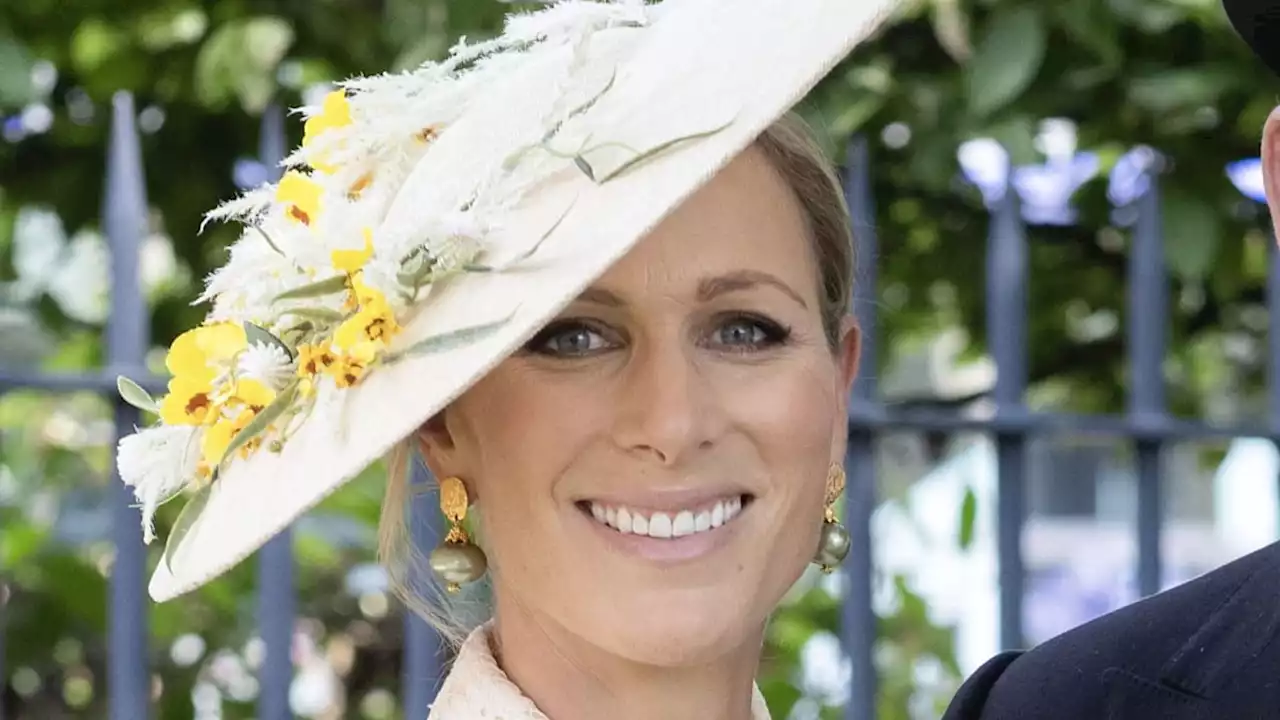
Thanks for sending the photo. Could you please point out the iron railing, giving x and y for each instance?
(1146, 424)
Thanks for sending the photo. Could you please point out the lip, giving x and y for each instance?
(668, 501)
(666, 552)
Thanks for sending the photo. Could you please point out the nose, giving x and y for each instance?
(666, 409)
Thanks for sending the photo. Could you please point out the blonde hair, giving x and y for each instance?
(790, 146)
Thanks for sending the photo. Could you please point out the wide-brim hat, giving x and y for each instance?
(434, 221)
(1258, 23)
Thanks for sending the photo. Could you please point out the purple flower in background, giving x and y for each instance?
(1044, 190)
(13, 129)
(985, 164)
(249, 174)
(1246, 175)
(1129, 180)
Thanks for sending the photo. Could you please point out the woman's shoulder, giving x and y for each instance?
(477, 687)
(1203, 649)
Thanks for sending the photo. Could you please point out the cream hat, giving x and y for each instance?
(430, 224)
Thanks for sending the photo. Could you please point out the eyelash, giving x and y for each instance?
(772, 335)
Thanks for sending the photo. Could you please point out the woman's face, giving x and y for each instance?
(650, 468)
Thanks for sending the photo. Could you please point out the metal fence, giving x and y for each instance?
(1147, 425)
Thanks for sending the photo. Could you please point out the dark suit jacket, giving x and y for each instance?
(1208, 649)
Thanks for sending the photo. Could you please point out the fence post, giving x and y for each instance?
(1007, 341)
(128, 335)
(857, 614)
(4, 612)
(276, 593)
(1147, 338)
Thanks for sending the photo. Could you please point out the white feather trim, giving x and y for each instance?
(157, 463)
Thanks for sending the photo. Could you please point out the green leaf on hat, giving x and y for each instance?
(641, 157)
(527, 253)
(132, 393)
(270, 242)
(320, 288)
(450, 340)
(323, 315)
(256, 334)
(585, 167)
(968, 516)
(185, 520)
(262, 420)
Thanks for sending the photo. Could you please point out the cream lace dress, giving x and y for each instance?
(477, 689)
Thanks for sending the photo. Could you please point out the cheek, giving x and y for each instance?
(788, 414)
(515, 421)
(516, 437)
(790, 419)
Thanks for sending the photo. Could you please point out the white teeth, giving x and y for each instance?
(667, 525)
(683, 524)
(703, 522)
(660, 525)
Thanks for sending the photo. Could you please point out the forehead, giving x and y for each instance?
(745, 218)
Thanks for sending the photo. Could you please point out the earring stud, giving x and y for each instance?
(457, 560)
(833, 541)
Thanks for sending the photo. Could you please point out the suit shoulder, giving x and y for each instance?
(971, 698)
(1063, 677)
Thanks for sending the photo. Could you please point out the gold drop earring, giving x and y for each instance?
(457, 560)
(833, 543)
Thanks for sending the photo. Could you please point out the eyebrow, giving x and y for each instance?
(712, 287)
(708, 288)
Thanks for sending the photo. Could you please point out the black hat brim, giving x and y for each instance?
(1258, 23)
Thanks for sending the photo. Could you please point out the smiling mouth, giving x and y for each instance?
(667, 525)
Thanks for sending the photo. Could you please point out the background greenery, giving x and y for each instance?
(1167, 73)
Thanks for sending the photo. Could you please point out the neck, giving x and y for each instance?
(570, 679)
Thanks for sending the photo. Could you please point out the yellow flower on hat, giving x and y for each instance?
(362, 337)
(374, 322)
(301, 195)
(359, 294)
(351, 261)
(242, 404)
(350, 365)
(194, 352)
(335, 112)
(195, 359)
(187, 403)
(313, 360)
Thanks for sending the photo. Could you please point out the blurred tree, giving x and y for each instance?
(1127, 72)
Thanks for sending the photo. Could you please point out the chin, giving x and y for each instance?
(682, 628)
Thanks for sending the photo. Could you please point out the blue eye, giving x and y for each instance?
(742, 333)
(568, 339)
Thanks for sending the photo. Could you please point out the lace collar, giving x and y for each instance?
(477, 688)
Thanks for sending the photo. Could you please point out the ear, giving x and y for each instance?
(436, 446)
(1271, 166)
(849, 353)
(848, 356)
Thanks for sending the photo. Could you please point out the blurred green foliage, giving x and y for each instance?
(1167, 73)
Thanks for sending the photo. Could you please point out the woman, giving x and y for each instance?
(594, 275)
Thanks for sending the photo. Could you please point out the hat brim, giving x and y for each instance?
(1257, 22)
(730, 65)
